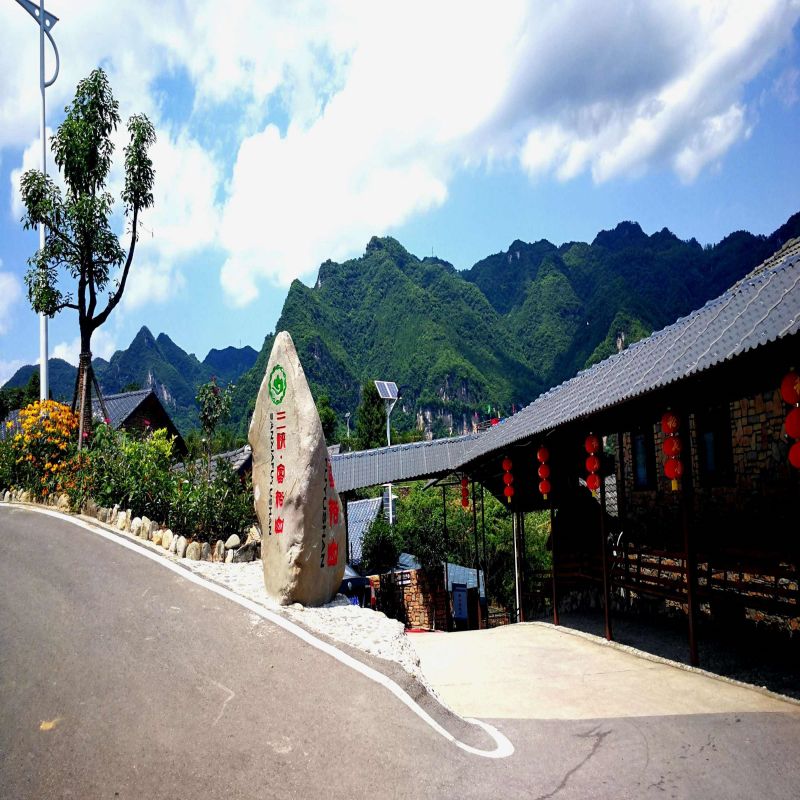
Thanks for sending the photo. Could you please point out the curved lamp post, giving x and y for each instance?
(45, 21)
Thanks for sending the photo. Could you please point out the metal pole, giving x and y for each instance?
(477, 553)
(553, 560)
(604, 559)
(517, 583)
(43, 349)
(446, 575)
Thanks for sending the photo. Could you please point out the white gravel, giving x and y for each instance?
(362, 628)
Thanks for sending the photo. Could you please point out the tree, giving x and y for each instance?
(79, 240)
(215, 407)
(327, 416)
(371, 418)
(381, 547)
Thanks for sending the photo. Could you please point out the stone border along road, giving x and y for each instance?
(503, 749)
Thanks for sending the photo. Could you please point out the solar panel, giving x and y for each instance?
(387, 390)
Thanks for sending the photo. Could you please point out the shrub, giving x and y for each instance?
(42, 450)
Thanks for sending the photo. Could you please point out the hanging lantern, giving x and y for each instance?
(672, 446)
(464, 493)
(793, 423)
(670, 423)
(790, 392)
(794, 455)
(592, 446)
(790, 388)
(542, 455)
(508, 479)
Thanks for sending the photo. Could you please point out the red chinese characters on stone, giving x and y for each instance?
(330, 476)
(279, 497)
(333, 512)
(279, 525)
(333, 554)
(281, 441)
(280, 473)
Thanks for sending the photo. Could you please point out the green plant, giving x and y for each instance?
(380, 547)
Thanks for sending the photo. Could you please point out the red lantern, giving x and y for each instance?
(790, 388)
(593, 482)
(794, 455)
(593, 464)
(508, 479)
(543, 454)
(673, 469)
(793, 423)
(592, 443)
(544, 488)
(544, 471)
(670, 422)
(672, 446)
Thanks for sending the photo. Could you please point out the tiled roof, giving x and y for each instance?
(120, 406)
(761, 308)
(360, 516)
(400, 462)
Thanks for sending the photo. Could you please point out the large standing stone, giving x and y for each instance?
(301, 517)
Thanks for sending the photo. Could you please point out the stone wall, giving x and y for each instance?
(416, 597)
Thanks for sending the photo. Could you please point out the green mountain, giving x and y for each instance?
(151, 362)
(495, 335)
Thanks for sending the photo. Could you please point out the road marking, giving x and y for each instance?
(504, 748)
(231, 695)
(48, 725)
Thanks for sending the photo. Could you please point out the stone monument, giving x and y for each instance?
(298, 508)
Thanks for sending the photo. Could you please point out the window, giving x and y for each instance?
(714, 451)
(643, 459)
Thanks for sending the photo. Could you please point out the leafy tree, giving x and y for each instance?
(327, 416)
(79, 241)
(380, 548)
(371, 418)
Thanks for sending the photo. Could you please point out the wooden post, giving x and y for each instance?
(604, 558)
(517, 579)
(690, 561)
(553, 559)
(477, 555)
(485, 559)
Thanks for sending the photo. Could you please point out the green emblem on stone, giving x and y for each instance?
(277, 384)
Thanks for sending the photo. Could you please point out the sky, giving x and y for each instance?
(290, 133)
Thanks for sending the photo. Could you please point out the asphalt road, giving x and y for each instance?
(121, 679)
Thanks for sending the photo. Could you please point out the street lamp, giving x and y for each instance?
(46, 21)
(347, 420)
(387, 391)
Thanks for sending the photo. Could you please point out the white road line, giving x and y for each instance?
(504, 747)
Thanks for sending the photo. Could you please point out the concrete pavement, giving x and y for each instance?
(537, 671)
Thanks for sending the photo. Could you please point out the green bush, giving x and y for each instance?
(205, 509)
(380, 548)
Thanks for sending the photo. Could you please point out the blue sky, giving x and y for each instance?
(291, 133)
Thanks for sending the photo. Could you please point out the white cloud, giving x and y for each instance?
(10, 294)
(103, 346)
(8, 368)
(331, 122)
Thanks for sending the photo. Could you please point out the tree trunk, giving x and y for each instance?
(83, 400)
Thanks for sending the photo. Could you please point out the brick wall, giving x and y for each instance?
(417, 598)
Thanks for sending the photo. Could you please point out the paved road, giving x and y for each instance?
(120, 679)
